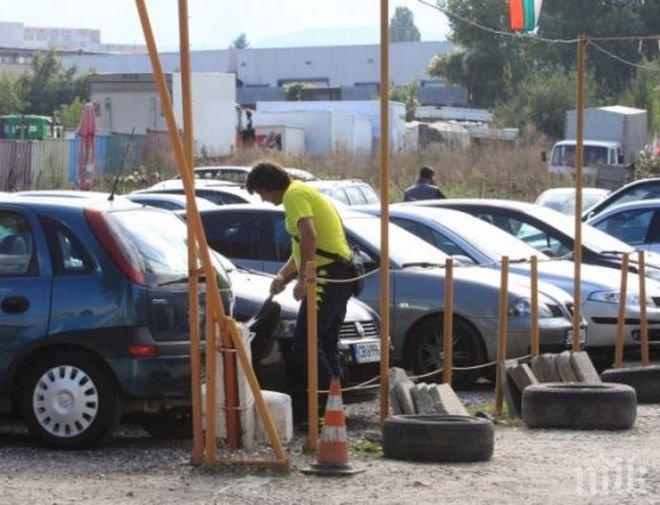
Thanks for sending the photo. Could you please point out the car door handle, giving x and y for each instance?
(15, 304)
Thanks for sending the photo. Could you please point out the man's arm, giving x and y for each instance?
(307, 251)
(284, 276)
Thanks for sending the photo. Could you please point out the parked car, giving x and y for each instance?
(643, 189)
(348, 191)
(168, 201)
(217, 192)
(550, 232)
(94, 319)
(635, 223)
(359, 335)
(468, 238)
(254, 236)
(239, 174)
(64, 193)
(563, 199)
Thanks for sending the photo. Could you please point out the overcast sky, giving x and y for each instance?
(214, 23)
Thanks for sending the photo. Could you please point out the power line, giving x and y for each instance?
(619, 59)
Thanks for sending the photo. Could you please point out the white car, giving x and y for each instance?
(563, 199)
(635, 223)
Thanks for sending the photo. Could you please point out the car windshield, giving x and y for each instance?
(564, 201)
(592, 238)
(593, 155)
(491, 240)
(366, 230)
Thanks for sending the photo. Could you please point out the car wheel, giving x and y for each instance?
(69, 401)
(438, 438)
(424, 351)
(579, 406)
(175, 424)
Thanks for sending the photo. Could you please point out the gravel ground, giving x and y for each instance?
(536, 467)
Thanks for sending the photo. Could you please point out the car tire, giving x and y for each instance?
(575, 406)
(176, 424)
(438, 438)
(423, 351)
(645, 380)
(70, 401)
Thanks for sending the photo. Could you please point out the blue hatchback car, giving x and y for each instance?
(93, 316)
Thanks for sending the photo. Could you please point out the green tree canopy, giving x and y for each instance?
(10, 96)
(402, 26)
(240, 42)
(407, 95)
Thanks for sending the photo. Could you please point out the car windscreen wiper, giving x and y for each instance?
(614, 253)
(423, 264)
(202, 278)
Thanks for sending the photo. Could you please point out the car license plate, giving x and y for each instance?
(568, 340)
(366, 352)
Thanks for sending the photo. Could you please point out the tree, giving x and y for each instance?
(10, 96)
(69, 115)
(402, 26)
(240, 42)
(48, 85)
(293, 91)
(408, 96)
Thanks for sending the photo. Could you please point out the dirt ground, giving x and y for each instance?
(533, 467)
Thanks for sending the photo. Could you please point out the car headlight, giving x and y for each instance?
(523, 307)
(285, 328)
(613, 297)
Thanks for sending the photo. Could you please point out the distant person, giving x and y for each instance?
(424, 188)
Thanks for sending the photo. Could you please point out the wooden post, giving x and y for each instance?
(384, 211)
(579, 161)
(621, 321)
(312, 358)
(448, 319)
(644, 329)
(535, 344)
(211, 391)
(193, 278)
(501, 342)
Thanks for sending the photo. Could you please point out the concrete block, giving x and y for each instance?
(565, 368)
(422, 398)
(396, 375)
(445, 401)
(404, 397)
(544, 368)
(584, 369)
(512, 394)
(522, 376)
(279, 406)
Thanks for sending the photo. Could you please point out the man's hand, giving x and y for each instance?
(299, 290)
(277, 285)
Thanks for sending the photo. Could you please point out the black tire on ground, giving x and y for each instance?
(644, 380)
(174, 424)
(69, 381)
(579, 406)
(424, 351)
(438, 438)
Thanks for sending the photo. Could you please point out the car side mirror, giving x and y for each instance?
(544, 156)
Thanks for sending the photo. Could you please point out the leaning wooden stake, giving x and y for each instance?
(535, 344)
(621, 321)
(214, 304)
(501, 341)
(448, 317)
(312, 358)
(384, 210)
(644, 336)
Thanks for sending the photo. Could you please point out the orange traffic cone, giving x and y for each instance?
(332, 456)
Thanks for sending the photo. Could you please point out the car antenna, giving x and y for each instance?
(111, 198)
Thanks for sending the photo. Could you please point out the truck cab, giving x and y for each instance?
(596, 153)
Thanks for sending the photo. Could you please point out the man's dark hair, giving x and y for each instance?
(267, 176)
(426, 173)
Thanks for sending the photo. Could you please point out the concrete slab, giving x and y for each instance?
(512, 394)
(396, 376)
(422, 398)
(584, 369)
(279, 406)
(565, 368)
(544, 368)
(445, 401)
(402, 390)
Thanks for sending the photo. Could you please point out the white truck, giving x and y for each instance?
(613, 138)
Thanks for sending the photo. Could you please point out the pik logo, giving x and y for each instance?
(613, 477)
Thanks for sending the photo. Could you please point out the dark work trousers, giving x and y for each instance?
(331, 306)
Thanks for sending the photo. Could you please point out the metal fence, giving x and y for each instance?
(53, 163)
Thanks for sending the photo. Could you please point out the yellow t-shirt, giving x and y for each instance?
(302, 200)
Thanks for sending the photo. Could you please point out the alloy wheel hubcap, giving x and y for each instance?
(65, 401)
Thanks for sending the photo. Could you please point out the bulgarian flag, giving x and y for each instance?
(524, 14)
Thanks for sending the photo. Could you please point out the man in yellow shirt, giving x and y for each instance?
(317, 234)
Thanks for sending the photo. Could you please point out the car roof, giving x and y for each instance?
(571, 190)
(44, 202)
(201, 183)
(653, 203)
(345, 212)
(170, 197)
(597, 143)
(488, 202)
(62, 193)
(331, 183)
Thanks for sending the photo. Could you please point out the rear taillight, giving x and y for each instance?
(126, 264)
(142, 351)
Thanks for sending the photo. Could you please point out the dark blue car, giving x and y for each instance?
(93, 315)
